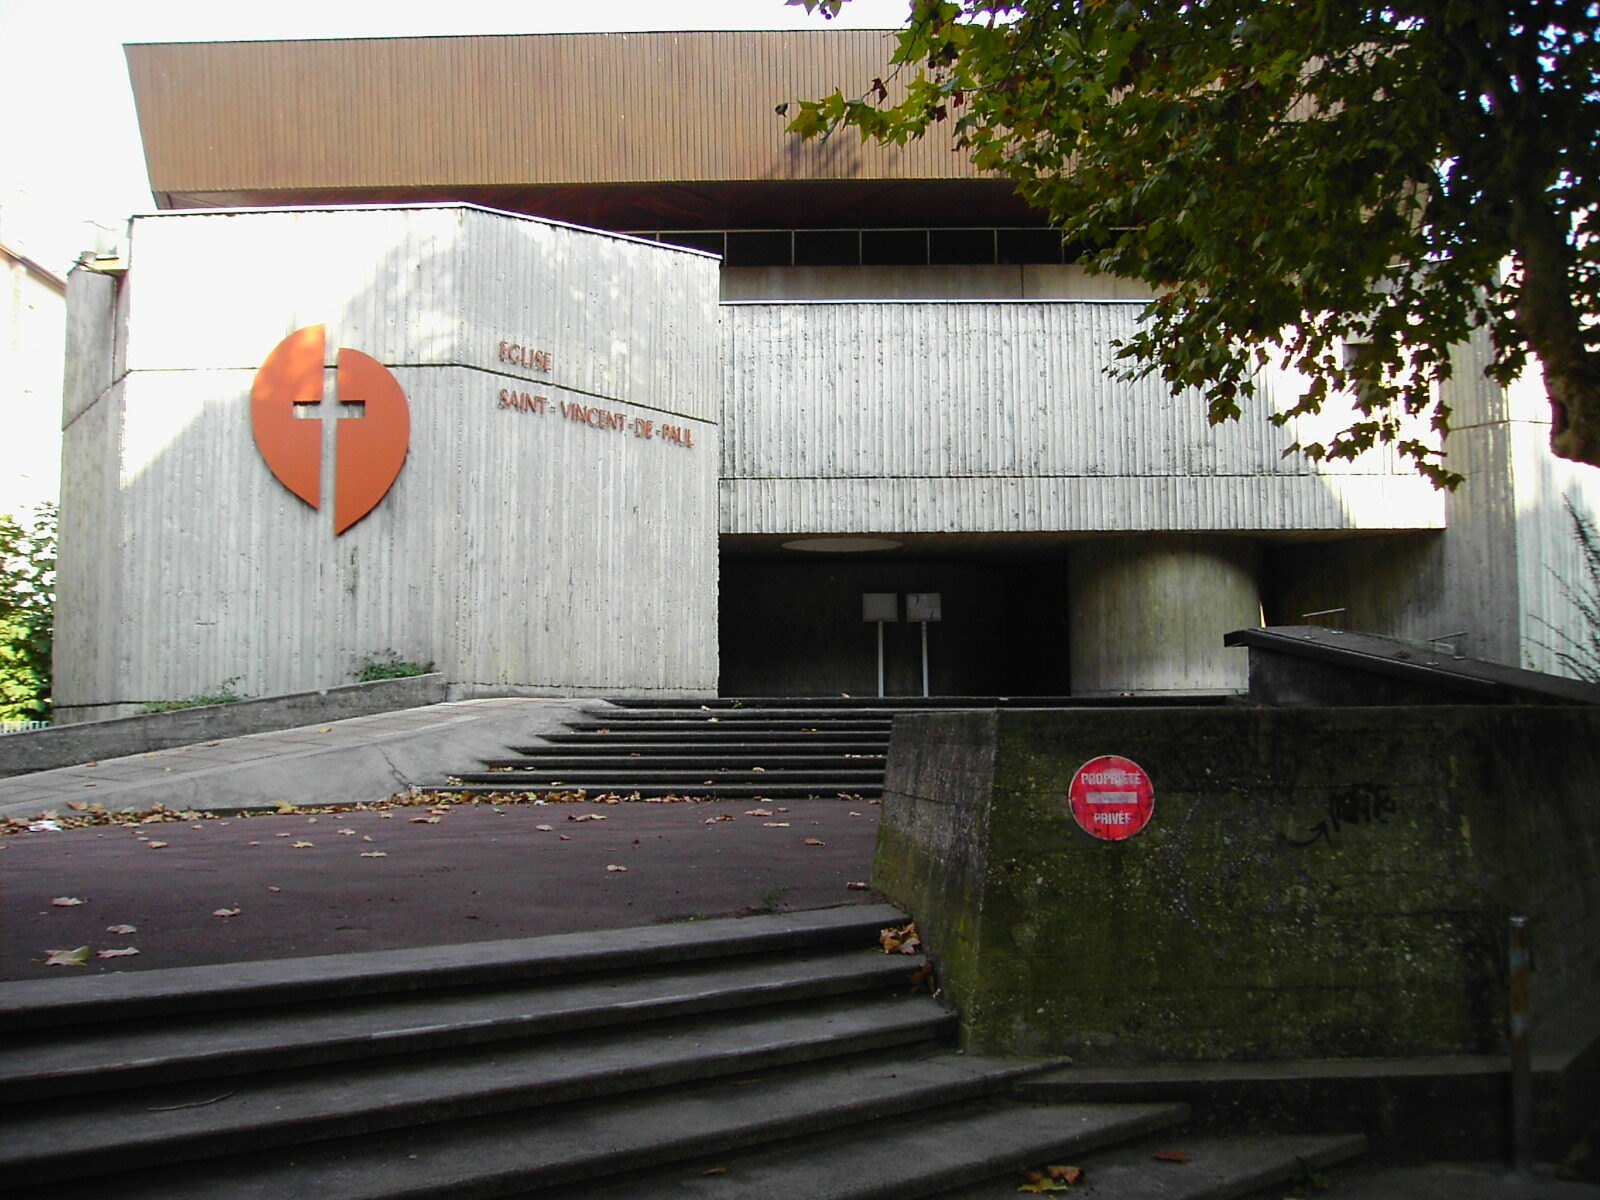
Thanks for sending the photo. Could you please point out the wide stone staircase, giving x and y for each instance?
(727, 748)
(780, 1056)
(724, 750)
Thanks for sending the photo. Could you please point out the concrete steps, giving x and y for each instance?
(745, 752)
(765, 1056)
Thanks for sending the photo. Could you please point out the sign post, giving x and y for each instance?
(923, 607)
(1111, 797)
(879, 608)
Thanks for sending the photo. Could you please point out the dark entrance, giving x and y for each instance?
(796, 629)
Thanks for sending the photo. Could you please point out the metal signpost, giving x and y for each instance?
(924, 607)
(880, 608)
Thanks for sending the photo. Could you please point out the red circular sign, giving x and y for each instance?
(1111, 797)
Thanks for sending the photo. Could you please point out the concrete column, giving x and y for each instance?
(1148, 613)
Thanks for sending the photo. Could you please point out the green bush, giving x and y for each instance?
(386, 664)
(223, 695)
(27, 613)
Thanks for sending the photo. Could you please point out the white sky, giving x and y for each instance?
(69, 143)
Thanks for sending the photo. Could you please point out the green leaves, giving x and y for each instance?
(27, 613)
(1295, 179)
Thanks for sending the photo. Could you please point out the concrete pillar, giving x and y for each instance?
(1148, 613)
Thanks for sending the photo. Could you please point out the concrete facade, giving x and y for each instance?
(901, 352)
(530, 504)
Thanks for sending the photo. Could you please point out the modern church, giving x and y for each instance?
(556, 361)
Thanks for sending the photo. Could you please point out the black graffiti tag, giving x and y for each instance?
(1362, 804)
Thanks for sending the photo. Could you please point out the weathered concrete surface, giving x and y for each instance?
(91, 741)
(361, 758)
(1314, 882)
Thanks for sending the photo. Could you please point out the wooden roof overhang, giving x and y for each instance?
(622, 131)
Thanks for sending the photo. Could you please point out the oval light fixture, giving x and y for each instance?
(842, 545)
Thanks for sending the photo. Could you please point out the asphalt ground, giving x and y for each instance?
(298, 884)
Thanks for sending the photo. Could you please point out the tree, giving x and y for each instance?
(1338, 186)
(27, 608)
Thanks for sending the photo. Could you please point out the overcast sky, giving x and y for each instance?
(69, 144)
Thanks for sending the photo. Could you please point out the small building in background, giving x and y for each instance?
(33, 314)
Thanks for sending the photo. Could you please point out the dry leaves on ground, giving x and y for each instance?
(901, 940)
(67, 958)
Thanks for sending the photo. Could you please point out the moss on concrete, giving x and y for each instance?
(1312, 883)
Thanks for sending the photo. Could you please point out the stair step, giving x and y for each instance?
(633, 742)
(65, 1139)
(540, 762)
(1215, 1168)
(722, 791)
(122, 997)
(902, 1158)
(510, 1154)
(43, 1066)
(705, 773)
(715, 725)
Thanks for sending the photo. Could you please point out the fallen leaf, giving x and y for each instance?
(301, 845)
(123, 953)
(921, 979)
(904, 939)
(545, 828)
(252, 843)
(1175, 1155)
(65, 901)
(1038, 1183)
(77, 805)
(121, 929)
(614, 867)
(270, 888)
(719, 817)
(585, 817)
(280, 835)
(374, 854)
(311, 820)
(386, 816)
(439, 811)
(283, 806)
(424, 820)
(1068, 1175)
(326, 729)
(68, 958)
(857, 886)
(758, 812)
(563, 837)
(345, 832)
(226, 912)
(155, 845)
(365, 838)
(813, 842)
(775, 824)
(855, 814)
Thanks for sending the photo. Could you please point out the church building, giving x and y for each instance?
(557, 362)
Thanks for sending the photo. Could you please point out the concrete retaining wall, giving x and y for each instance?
(1313, 883)
(91, 741)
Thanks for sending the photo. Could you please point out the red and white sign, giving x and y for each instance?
(1111, 797)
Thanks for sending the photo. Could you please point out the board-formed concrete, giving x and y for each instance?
(552, 529)
(1312, 882)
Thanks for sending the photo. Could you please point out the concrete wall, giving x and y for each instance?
(90, 741)
(517, 549)
(1312, 883)
(941, 417)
